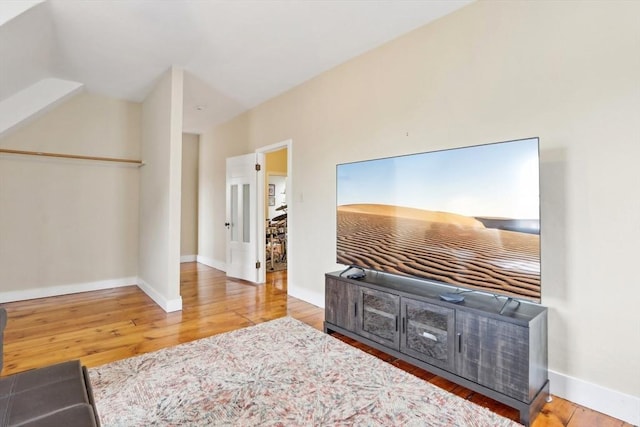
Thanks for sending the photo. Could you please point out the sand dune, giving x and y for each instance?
(412, 213)
(491, 260)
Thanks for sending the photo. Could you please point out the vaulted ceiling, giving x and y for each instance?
(236, 54)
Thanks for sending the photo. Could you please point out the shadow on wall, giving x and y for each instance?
(554, 242)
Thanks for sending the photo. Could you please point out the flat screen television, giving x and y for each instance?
(465, 217)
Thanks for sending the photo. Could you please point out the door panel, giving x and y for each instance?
(494, 354)
(242, 221)
(341, 302)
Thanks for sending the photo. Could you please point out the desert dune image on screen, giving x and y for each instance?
(467, 217)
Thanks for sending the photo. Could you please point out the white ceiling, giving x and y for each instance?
(236, 54)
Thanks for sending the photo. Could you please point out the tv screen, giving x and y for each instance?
(467, 217)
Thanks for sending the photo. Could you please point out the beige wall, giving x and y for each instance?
(567, 72)
(159, 235)
(70, 225)
(189, 214)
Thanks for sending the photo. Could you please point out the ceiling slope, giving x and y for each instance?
(9, 9)
(236, 54)
(30, 103)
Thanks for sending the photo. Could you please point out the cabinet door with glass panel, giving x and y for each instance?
(378, 318)
(428, 333)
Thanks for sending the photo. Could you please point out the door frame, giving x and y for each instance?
(261, 205)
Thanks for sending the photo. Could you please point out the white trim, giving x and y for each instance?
(188, 258)
(611, 402)
(66, 289)
(312, 297)
(210, 262)
(165, 304)
(173, 305)
(275, 147)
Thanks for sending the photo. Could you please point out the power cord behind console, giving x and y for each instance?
(358, 274)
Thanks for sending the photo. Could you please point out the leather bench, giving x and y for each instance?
(55, 395)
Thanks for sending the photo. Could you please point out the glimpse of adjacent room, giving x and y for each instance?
(276, 210)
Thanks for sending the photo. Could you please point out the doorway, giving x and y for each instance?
(276, 212)
(276, 247)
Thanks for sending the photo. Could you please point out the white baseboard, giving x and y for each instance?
(167, 305)
(188, 258)
(611, 402)
(218, 265)
(66, 289)
(315, 298)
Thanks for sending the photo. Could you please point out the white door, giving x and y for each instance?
(242, 216)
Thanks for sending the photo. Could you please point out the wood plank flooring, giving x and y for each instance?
(103, 326)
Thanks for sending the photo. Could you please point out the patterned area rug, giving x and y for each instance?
(278, 373)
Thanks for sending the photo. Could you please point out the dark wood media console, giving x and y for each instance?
(502, 356)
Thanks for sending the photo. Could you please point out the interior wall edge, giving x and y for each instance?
(168, 305)
(213, 263)
(315, 298)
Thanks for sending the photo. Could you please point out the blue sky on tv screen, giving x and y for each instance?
(494, 180)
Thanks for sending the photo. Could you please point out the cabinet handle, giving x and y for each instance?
(459, 335)
(404, 325)
(355, 310)
(429, 336)
(396, 323)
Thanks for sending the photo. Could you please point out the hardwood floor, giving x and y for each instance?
(103, 326)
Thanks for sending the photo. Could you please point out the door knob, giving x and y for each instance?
(226, 224)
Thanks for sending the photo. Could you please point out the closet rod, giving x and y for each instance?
(71, 156)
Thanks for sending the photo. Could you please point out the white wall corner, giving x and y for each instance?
(611, 402)
(188, 258)
(175, 186)
(66, 289)
(173, 305)
(168, 305)
(307, 295)
(210, 262)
